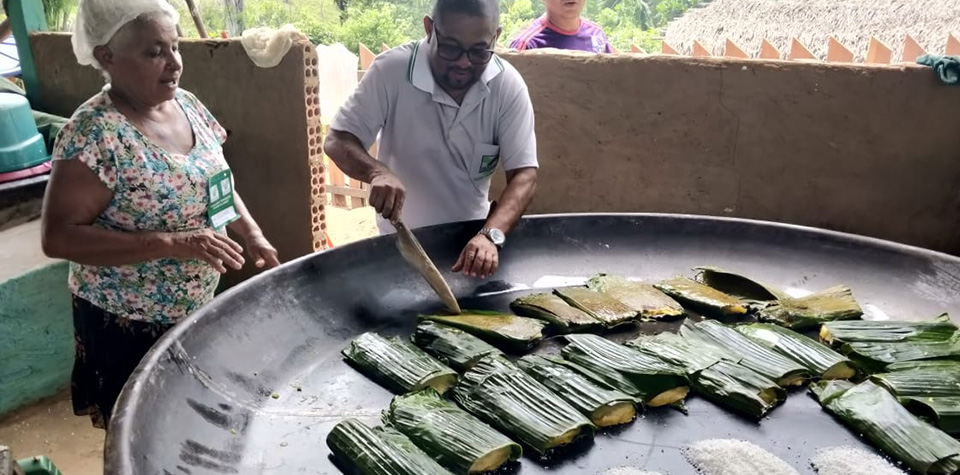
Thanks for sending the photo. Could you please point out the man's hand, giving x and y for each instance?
(479, 259)
(386, 195)
(262, 252)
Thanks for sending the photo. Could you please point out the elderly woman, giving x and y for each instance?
(138, 199)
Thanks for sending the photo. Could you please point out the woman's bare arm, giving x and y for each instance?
(74, 199)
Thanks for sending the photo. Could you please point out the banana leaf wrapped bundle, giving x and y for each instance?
(452, 346)
(648, 302)
(553, 309)
(397, 364)
(833, 304)
(647, 378)
(738, 388)
(875, 357)
(819, 359)
(362, 450)
(453, 437)
(502, 395)
(941, 411)
(692, 354)
(935, 330)
(737, 285)
(702, 298)
(608, 310)
(761, 359)
(506, 331)
(929, 391)
(604, 407)
(923, 364)
(876, 414)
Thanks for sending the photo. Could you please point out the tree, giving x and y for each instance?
(233, 10)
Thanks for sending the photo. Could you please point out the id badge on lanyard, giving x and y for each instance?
(221, 209)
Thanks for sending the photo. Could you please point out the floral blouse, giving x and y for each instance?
(153, 190)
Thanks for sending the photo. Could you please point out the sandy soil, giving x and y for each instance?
(50, 428)
(345, 226)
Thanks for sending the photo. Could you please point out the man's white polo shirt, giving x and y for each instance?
(443, 153)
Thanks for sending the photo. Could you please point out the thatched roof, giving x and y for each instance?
(852, 22)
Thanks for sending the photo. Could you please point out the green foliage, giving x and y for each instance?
(669, 9)
(59, 13)
(376, 22)
(373, 28)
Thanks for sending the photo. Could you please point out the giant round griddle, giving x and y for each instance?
(203, 400)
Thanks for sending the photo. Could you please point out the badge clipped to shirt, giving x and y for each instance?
(221, 210)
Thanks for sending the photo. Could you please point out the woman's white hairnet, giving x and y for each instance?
(98, 20)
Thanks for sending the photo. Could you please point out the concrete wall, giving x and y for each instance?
(868, 150)
(36, 336)
(271, 116)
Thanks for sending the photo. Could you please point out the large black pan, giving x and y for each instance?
(202, 401)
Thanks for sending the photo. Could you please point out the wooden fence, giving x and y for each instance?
(343, 191)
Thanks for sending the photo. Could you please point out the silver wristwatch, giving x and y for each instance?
(495, 236)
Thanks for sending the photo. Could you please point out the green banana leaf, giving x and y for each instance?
(924, 364)
(941, 411)
(608, 310)
(871, 411)
(454, 438)
(604, 407)
(738, 388)
(931, 392)
(737, 285)
(782, 370)
(553, 309)
(362, 450)
(825, 390)
(874, 357)
(452, 346)
(509, 332)
(838, 333)
(647, 378)
(702, 298)
(819, 359)
(648, 302)
(692, 354)
(502, 395)
(833, 304)
(397, 364)
(922, 382)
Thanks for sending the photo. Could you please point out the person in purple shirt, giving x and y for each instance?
(563, 28)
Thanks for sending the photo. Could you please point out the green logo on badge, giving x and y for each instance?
(488, 164)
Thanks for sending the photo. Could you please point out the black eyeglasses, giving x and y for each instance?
(455, 52)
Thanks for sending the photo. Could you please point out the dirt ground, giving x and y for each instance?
(49, 427)
(346, 226)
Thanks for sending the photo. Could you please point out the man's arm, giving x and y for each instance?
(354, 129)
(348, 153)
(521, 185)
(480, 258)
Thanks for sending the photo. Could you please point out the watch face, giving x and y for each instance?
(497, 237)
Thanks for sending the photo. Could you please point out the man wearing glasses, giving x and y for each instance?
(448, 112)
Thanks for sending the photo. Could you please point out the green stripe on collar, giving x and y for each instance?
(413, 61)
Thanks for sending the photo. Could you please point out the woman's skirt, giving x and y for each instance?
(108, 350)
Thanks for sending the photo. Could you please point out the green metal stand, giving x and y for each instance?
(26, 16)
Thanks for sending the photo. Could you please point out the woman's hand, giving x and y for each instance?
(215, 249)
(261, 251)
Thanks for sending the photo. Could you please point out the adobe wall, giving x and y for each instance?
(271, 115)
(868, 150)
